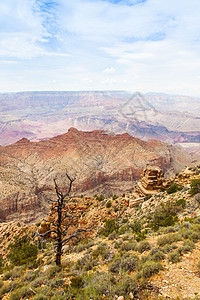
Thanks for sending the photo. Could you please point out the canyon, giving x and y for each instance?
(101, 163)
(42, 115)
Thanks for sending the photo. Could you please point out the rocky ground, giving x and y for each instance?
(150, 251)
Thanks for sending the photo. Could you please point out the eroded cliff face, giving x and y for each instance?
(101, 163)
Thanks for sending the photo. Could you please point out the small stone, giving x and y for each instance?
(120, 298)
(131, 295)
(165, 281)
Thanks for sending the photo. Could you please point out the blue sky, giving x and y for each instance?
(134, 45)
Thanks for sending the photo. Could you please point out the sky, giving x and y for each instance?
(133, 45)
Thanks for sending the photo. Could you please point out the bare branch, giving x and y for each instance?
(67, 216)
(54, 224)
(71, 180)
(75, 235)
(47, 232)
(59, 194)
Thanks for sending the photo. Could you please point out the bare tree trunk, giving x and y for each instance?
(57, 225)
(59, 253)
(59, 231)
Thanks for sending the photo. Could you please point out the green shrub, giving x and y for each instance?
(126, 263)
(136, 226)
(102, 250)
(195, 236)
(23, 292)
(1, 283)
(85, 244)
(29, 276)
(37, 282)
(100, 198)
(17, 272)
(123, 229)
(5, 289)
(168, 239)
(7, 275)
(95, 286)
(147, 197)
(192, 233)
(58, 296)
(52, 271)
(89, 263)
(109, 227)
(126, 285)
(195, 187)
(40, 297)
(109, 204)
(114, 267)
(181, 202)
(55, 283)
(1, 261)
(174, 256)
(195, 227)
(127, 246)
(77, 282)
(141, 235)
(185, 233)
(187, 246)
(169, 248)
(165, 215)
(143, 246)
(174, 188)
(159, 255)
(150, 268)
(130, 263)
(22, 251)
(46, 290)
(169, 229)
(113, 236)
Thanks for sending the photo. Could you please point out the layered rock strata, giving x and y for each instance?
(101, 163)
(151, 182)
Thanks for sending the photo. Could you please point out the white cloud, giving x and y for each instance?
(154, 46)
(109, 70)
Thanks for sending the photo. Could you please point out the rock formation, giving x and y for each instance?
(151, 182)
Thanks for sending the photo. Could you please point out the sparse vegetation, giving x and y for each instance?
(174, 256)
(109, 204)
(143, 246)
(174, 188)
(22, 251)
(100, 197)
(150, 268)
(109, 227)
(126, 252)
(165, 215)
(168, 239)
(195, 187)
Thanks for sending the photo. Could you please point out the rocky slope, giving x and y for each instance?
(101, 163)
(124, 258)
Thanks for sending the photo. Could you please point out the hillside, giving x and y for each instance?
(150, 251)
(101, 163)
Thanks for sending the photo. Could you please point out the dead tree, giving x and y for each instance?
(63, 217)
